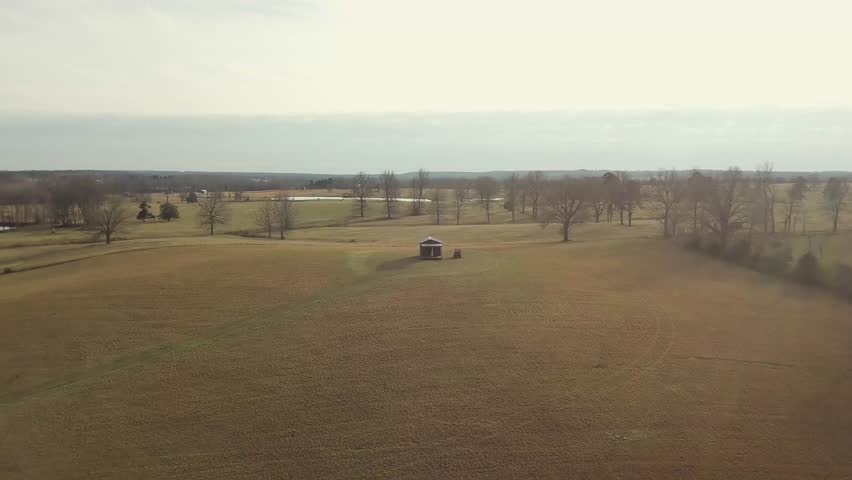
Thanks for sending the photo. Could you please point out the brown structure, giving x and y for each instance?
(430, 248)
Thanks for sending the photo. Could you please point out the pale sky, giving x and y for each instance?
(376, 59)
(306, 56)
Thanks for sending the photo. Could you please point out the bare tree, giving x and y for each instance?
(283, 217)
(564, 203)
(109, 218)
(390, 191)
(486, 188)
(597, 197)
(362, 187)
(766, 193)
(468, 190)
(754, 210)
(212, 211)
(415, 207)
(512, 189)
(264, 217)
(437, 199)
(795, 196)
(834, 193)
(667, 192)
(533, 188)
(697, 191)
(632, 198)
(727, 203)
(419, 185)
(613, 191)
(459, 194)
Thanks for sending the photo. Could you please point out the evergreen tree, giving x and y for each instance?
(169, 211)
(144, 212)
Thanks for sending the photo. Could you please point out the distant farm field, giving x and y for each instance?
(337, 354)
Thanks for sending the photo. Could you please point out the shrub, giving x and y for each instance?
(843, 280)
(807, 270)
(740, 252)
(247, 233)
(714, 249)
(7, 270)
(693, 243)
(776, 264)
(169, 211)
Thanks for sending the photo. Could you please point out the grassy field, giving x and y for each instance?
(337, 354)
(309, 214)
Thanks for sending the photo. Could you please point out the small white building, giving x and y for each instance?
(430, 248)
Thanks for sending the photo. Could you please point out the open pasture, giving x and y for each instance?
(599, 358)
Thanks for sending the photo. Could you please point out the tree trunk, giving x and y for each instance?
(108, 238)
(765, 219)
(211, 228)
(564, 232)
(695, 219)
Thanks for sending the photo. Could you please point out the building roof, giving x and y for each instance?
(431, 241)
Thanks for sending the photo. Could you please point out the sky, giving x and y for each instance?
(72, 69)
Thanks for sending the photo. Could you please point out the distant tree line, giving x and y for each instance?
(69, 198)
(716, 205)
(695, 202)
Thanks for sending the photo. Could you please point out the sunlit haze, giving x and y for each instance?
(264, 57)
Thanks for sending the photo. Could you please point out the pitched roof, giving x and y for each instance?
(430, 239)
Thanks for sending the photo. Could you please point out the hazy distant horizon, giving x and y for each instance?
(802, 139)
(217, 85)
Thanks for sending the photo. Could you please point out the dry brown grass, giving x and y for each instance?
(63, 321)
(621, 359)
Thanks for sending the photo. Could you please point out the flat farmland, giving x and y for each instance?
(591, 359)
